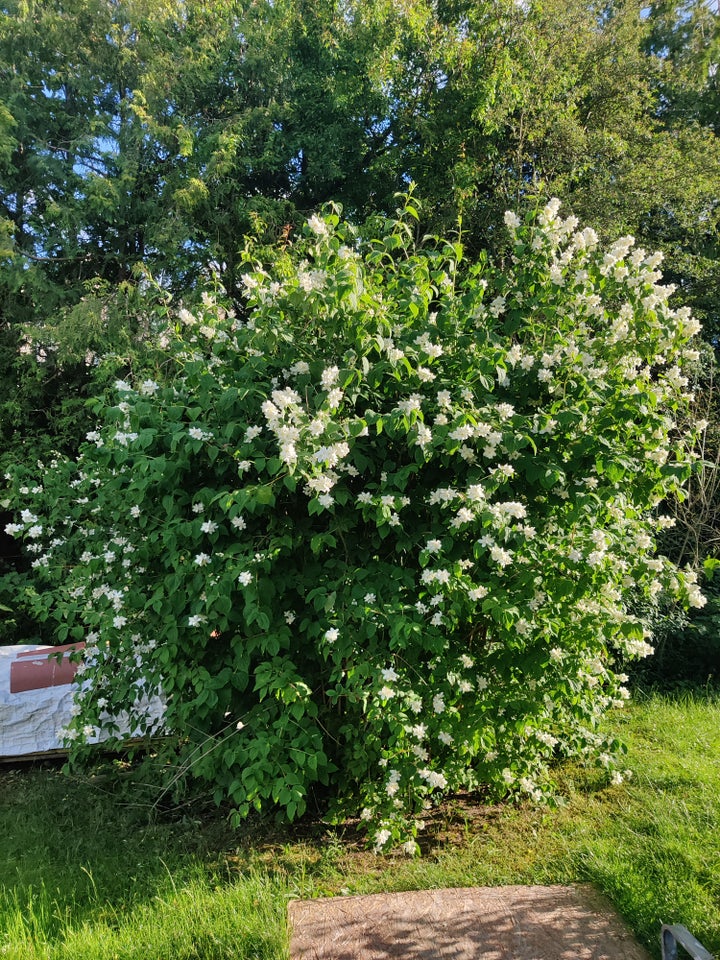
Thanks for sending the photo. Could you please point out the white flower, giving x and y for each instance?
(245, 578)
(381, 838)
(318, 226)
(369, 598)
(209, 526)
(331, 455)
(332, 634)
(497, 306)
(202, 559)
(198, 508)
(119, 622)
(389, 675)
(438, 703)
(500, 556)
(445, 738)
(433, 779)
(238, 523)
(311, 279)
(391, 788)
(148, 387)
(464, 515)
(286, 398)
(424, 435)
(196, 433)
(695, 597)
(323, 483)
(463, 432)
(329, 377)
(412, 404)
(135, 511)
(195, 620)
(433, 546)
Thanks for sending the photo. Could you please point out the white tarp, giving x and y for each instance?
(31, 720)
(36, 699)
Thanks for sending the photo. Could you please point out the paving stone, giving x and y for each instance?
(473, 923)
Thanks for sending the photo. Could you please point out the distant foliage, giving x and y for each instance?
(379, 539)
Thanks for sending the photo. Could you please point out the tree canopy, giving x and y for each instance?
(155, 135)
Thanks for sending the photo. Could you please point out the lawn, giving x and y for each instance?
(91, 869)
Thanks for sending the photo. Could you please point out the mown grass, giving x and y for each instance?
(88, 871)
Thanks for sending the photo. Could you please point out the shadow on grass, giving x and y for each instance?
(95, 848)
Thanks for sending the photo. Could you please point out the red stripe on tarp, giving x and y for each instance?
(39, 669)
(44, 651)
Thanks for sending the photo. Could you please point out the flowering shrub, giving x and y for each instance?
(379, 539)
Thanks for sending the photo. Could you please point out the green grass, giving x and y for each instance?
(89, 872)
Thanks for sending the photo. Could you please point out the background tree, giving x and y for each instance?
(158, 133)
